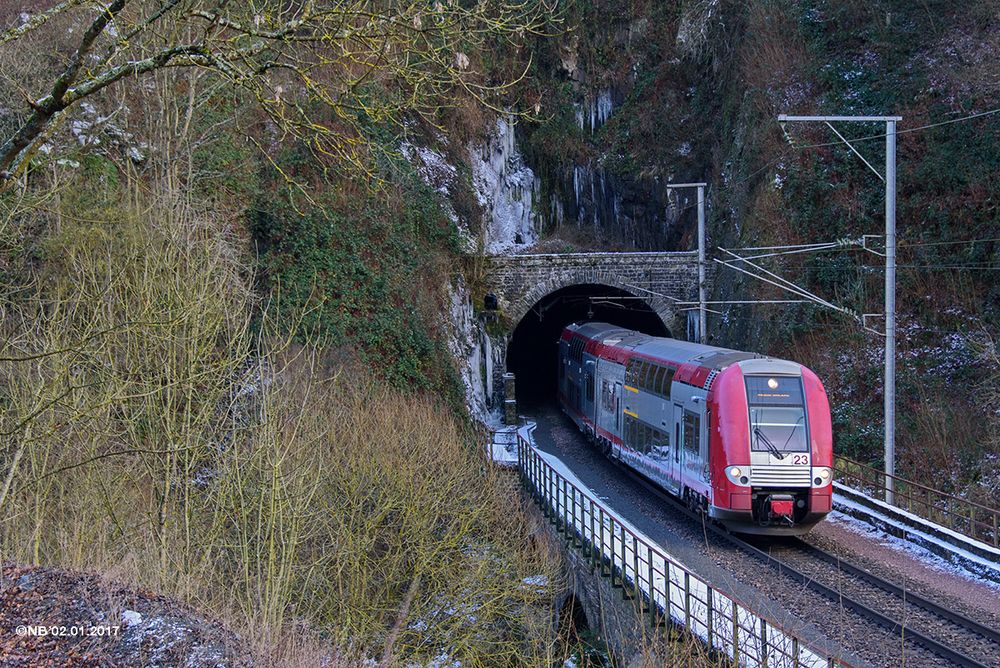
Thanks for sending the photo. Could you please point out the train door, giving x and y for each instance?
(617, 401)
(615, 416)
(677, 438)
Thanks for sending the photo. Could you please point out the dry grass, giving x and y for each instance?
(154, 432)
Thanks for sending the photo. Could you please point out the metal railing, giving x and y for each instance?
(665, 590)
(962, 516)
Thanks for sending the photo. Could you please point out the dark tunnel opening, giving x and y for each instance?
(531, 353)
(582, 645)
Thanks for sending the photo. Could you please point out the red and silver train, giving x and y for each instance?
(745, 438)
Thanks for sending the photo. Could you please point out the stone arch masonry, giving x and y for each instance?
(661, 278)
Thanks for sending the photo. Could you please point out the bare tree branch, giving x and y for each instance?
(290, 57)
(36, 21)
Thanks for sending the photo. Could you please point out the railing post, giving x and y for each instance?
(652, 586)
(736, 633)
(540, 483)
(763, 642)
(592, 556)
(687, 600)
(566, 517)
(561, 507)
(550, 495)
(627, 594)
(709, 607)
(542, 492)
(636, 589)
(666, 588)
(578, 535)
(611, 522)
(600, 555)
(536, 483)
(532, 466)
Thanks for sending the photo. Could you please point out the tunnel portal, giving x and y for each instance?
(531, 352)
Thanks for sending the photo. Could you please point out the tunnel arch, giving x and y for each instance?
(516, 311)
(532, 350)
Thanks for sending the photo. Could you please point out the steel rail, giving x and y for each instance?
(886, 622)
(919, 601)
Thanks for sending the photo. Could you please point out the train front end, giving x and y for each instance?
(772, 448)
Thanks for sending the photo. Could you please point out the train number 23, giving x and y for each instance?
(800, 459)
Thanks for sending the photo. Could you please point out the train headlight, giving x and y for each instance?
(738, 475)
(821, 476)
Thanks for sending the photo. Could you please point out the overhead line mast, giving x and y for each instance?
(890, 270)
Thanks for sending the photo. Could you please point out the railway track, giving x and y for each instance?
(930, 632)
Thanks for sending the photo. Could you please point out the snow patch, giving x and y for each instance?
(870, 532)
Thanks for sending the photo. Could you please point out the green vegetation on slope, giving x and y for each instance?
(368, 271)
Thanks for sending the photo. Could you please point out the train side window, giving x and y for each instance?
(590, 387)
(668, 378)
(647, 438)
(647, 377)
(633, 433)
(657, 446)
(657, 378)
(692, 431)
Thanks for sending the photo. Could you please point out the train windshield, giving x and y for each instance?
(777, 415)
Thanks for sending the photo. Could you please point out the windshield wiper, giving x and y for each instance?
(771, 447)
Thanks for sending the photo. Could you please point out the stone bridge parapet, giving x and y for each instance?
(662, 279)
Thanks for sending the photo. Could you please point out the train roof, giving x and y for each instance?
(672, 350)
